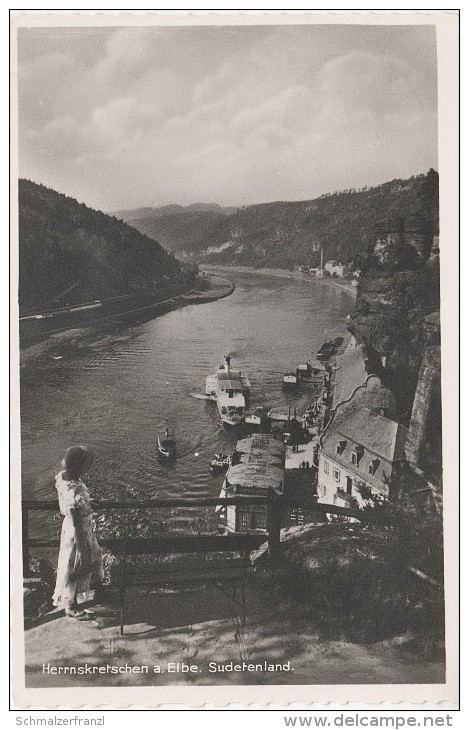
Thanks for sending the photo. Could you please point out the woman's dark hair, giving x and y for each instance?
(75, 461)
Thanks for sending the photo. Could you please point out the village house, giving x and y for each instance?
(335, 268)
(257, 470)
(361, 448)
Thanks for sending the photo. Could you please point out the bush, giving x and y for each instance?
(353, 580)
(143, 523)
(38, 588)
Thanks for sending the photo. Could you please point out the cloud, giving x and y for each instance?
(235, 116)
(125, 117)
(387, 85)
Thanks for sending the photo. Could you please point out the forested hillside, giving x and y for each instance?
(282, 234)
(69, 253)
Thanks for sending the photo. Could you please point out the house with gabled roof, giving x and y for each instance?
(362, 446)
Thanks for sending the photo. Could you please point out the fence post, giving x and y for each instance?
(25, 540)
(274, 513)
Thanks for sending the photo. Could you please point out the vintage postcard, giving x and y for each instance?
(234, 358)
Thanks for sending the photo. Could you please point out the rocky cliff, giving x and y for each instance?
(423, 447)
(398, 289)
(396, 317)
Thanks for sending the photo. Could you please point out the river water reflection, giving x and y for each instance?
(119, 398)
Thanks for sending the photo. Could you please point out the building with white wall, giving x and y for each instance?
(361, 447)
(336, 268)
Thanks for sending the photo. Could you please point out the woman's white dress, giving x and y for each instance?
(73, 495)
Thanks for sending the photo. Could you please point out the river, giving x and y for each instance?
(118, 398)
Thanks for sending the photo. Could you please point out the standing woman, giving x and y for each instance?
(80, 564)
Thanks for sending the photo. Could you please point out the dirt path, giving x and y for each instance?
(204, 629)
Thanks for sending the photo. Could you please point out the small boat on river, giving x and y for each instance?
(290, 381)
(220, 462)
(304, 370)
(166, 445)
(329, 348)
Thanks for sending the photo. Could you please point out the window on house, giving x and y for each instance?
(357, 454)
(258, 520)
(372, 466)
(253, 520)
(245, 520)
(297, 516)
(349, 485)
(326, 467)
(340, 446)
(337, 475)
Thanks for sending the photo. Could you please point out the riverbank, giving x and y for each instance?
(285, 274)
(113, 330)
(219, 287)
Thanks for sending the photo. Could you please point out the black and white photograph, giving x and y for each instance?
(230, 433)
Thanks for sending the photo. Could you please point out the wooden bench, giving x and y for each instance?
(217, 568)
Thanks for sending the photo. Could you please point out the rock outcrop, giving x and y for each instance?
(396, 319)
(423, 446)
(398, 288)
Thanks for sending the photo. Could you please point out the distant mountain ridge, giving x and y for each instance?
(69, 253)
(159, 211)
(280, 234)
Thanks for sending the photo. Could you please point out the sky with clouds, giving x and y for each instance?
(126, 117)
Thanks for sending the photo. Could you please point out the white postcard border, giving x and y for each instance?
(150, 697)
